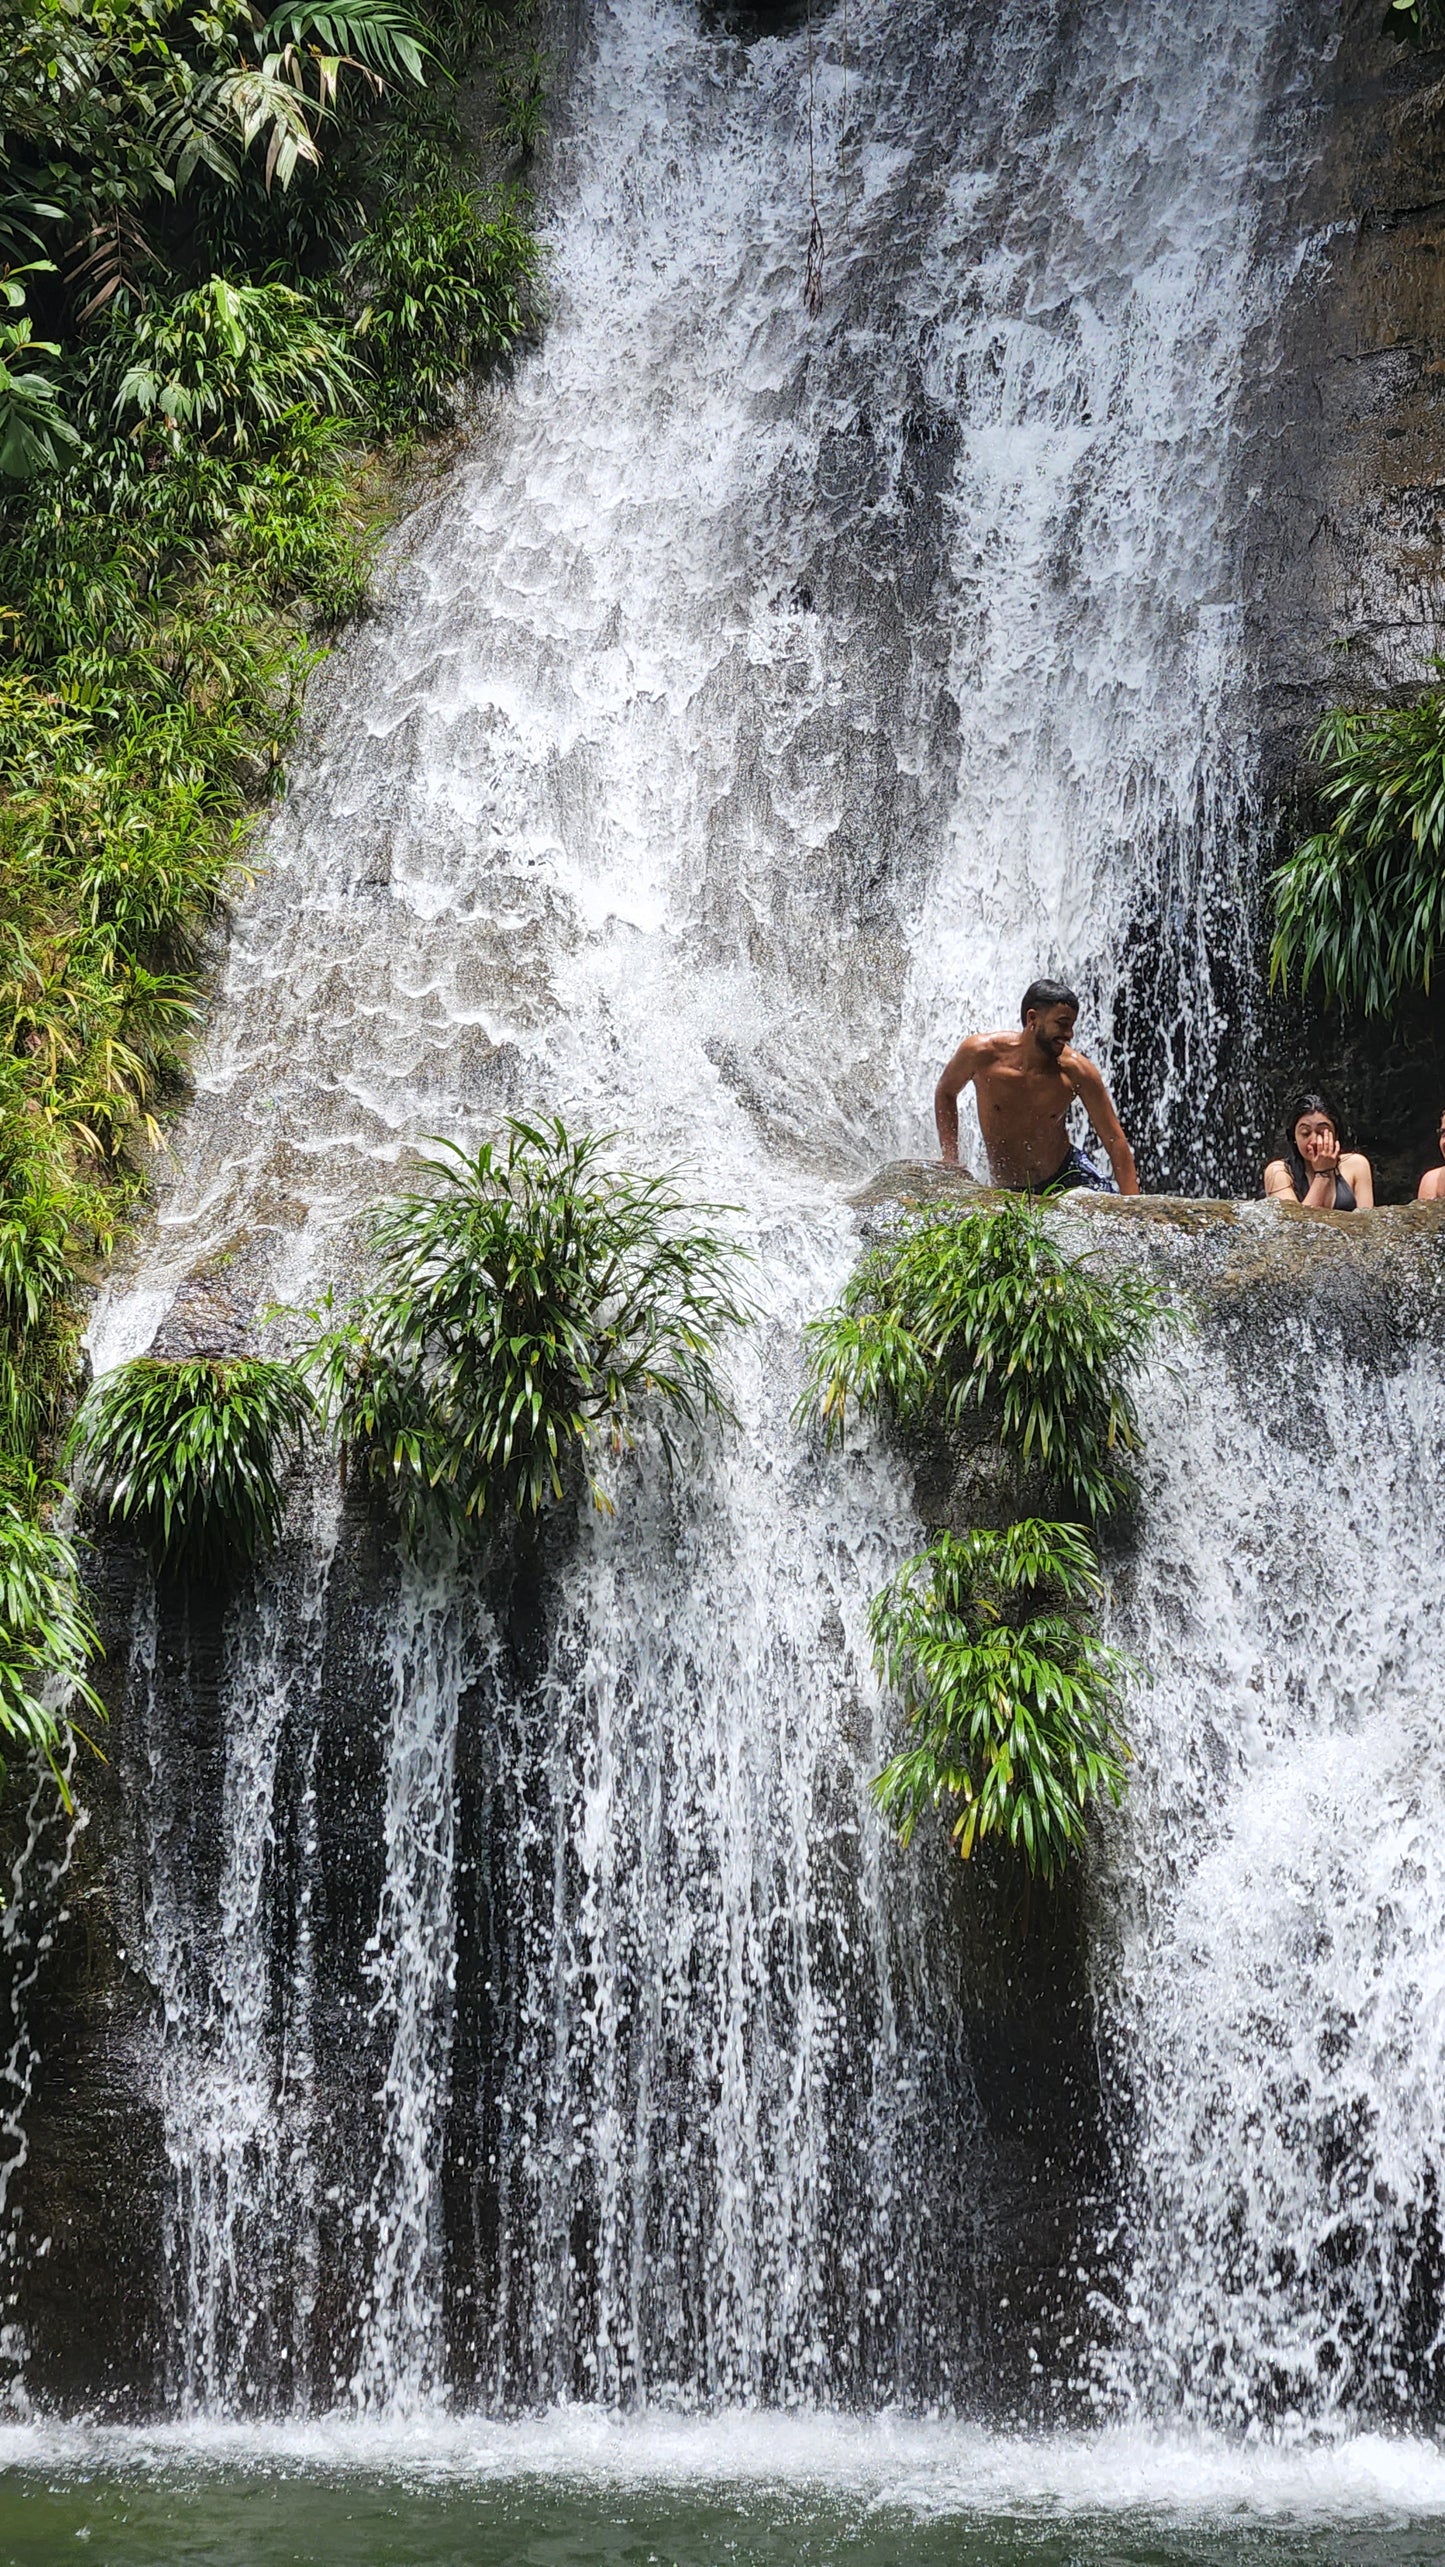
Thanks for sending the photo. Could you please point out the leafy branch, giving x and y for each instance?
(1360, 905)
(187, 1456)
(966, 1311)
(47, 1639)
(1011, 1700)
(527, 1314)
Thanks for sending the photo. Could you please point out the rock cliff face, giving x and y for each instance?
(1346, 585)
(1348, 582)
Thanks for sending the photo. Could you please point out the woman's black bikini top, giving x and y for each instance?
(1344, 1196)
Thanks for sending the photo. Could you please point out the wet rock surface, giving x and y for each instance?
(1345, 581)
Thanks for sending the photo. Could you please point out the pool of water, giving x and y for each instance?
(747, 2491)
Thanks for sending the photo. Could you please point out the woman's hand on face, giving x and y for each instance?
(1321, 1152)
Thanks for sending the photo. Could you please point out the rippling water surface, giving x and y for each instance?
(579, 2488)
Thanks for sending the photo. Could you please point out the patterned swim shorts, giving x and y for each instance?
(1076, 1170)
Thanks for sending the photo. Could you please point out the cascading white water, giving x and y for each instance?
(1094, 367)
(241, 2243)
(410, 1962)
(1273, 1892)
(764, 701)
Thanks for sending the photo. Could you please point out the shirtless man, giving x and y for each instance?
(1025, 1084)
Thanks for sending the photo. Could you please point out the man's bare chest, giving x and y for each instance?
(1017, 1096)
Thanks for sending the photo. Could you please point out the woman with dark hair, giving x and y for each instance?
(1431, 1188)
(1313, 1169)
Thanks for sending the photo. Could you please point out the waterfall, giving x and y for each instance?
(1271, 1968)
(228, 1947)
(762, 701)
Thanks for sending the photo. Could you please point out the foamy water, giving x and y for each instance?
(923, 2469)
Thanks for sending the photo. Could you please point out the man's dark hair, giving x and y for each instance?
(1046, 993)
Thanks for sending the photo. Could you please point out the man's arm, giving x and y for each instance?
(947, 1093)
(1098, 1104)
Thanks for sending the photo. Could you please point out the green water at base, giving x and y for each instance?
(286, 2518)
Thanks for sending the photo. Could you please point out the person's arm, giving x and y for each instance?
(1279, 1183)
(1321, 1154)
(1098, 1104)
(947, 1093)
(1360, 1177)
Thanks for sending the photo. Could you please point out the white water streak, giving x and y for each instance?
(410, 1963)
(1275, 1981)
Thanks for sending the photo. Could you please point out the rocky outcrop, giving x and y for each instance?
(1347, 579)
(1344, 586)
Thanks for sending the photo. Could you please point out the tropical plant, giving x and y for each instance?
(521, 89)
(229, 361)
(187, 1455)
(529, 1313)
(1010, 1699)
(47, 1222)
(33, 427)
(962, 1310)
(47, 1640)
(447, 281)
(182, 506)
(1360, 906)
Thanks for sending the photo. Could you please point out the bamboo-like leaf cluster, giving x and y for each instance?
(961, 1311)
(526, 1314)
(188, 1456)
(1360, 906)
(47, 1639)
(447, 280)
(1011, 1700)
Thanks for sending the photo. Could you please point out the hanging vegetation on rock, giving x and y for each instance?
(530, 1313)
(984, 1311)
(1010, 1698)
(188, 1456)
(47, 1639)
(1360, 906)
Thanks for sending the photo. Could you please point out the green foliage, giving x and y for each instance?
(447, 284)
(187, 1456)
(49, 1224)
(379, 34)
(47, 1640)
(1011, 1700)
(527, 1314)
(227, 362)
(1360, 906)
(521, 103)
(114, 111)
(960, 1311)
(1418, 22)
(34, 432)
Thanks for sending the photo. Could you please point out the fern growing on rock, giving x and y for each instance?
(1360, 905)
(47, 1639)
(982, 1310)
(188, 1456)
(1011, 1700)
(529, 1312)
